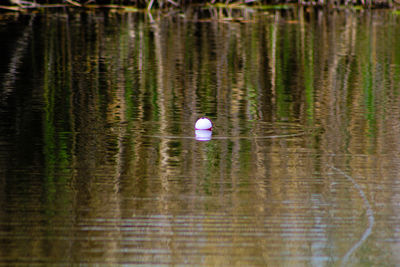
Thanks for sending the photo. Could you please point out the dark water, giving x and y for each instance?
(99, 163)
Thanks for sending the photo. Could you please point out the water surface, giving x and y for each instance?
(99, 162)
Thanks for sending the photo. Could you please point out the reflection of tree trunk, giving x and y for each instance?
(163, 168)
(264, 93)
(8, 88)
(335, 91)
(16, 60)
(97, 140)
(272, 61)
(162, 92)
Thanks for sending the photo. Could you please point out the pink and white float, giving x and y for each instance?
(203, 124)
(203, 129)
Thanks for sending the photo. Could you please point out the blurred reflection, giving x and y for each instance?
(97, 151)
(203, 135)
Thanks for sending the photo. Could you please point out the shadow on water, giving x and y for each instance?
(99, 162)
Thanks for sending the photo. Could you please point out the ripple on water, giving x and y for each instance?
(254, 130)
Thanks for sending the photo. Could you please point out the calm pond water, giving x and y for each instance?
(99, 163)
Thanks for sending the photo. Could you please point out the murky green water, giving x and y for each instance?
(99, 163)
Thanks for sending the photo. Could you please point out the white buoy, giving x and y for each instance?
(203, 124)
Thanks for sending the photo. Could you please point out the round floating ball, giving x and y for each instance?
(203, 124)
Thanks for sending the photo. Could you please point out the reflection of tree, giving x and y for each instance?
(111, 97)
(9, 78)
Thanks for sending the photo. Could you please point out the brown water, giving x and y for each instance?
(99, 163)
